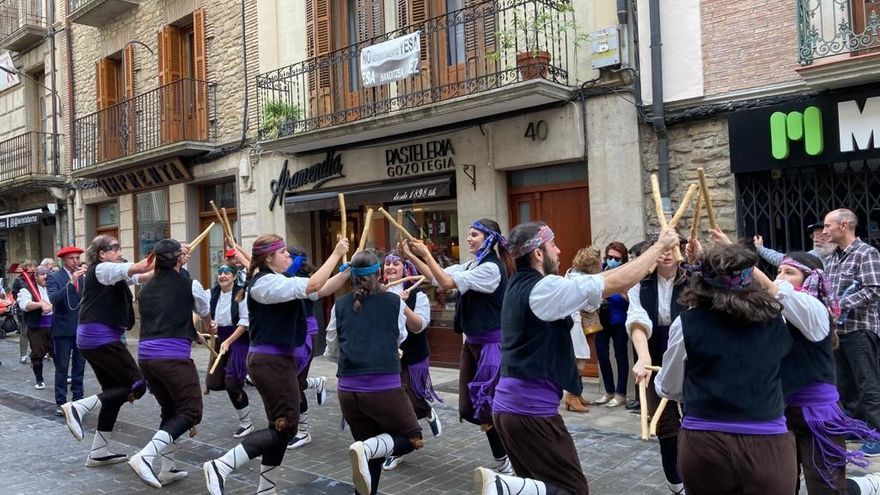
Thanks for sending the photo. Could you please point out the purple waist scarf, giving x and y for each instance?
(45, 321)
(772, 427)
(827, 421)
(537, 397)
(93, 335)
(420, 380)
(236, 363)
(304, 352)
(273, 349)
(482, 388)
(369, 383)
(149, 350)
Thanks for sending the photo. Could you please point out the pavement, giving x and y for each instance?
(41, 457)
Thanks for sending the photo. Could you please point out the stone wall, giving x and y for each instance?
(694, 144)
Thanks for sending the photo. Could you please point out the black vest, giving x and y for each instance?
(732, 371)
(415, 348)
(532, 347)
(233, 309)
(477, 312)
(368, 338)
(278, 324)
(166, 307)
(648, 294)
(107, 304)
(808, 362)
(32, 318)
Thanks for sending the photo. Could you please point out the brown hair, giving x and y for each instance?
(258, 261)
(751, 303)
(503, 252)
(364, 285)
(99, 243)
(620, 248)
(587, 260)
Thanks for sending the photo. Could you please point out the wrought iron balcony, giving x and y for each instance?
(22, 24)
(480, 48)
(828, 28)
(179, 116)
(98, 13)
(28, 155)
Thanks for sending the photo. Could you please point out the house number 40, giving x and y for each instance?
(537, 131)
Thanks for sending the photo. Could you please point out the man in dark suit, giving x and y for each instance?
(64, 287)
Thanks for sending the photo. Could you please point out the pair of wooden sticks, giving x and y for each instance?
(650, 431)
(702, 197)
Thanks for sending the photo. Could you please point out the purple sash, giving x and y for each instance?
(482, 388)
(420, 381)
(273, 349)
(45, 321)
(369, 383)
(236, 363)
(304, 352)
(827, 421)
(772, 427)
(93, 335)
(537, 397)
(151, 349)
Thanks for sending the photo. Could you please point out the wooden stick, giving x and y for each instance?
(195, 242)
(695, 223)
(707, 200)
(216, 362)
(643, 400)
(688, 196)
(395, 224)
(655, 369)
(210, 347)
(658, 207)
(400, 221)
(344, 222)
(404, 279)
(365, 233)
(652, 431)
(227, 227)
(420, 282)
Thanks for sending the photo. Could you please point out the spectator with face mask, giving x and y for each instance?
(612, 314)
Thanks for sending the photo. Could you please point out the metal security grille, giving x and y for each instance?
(779, 205)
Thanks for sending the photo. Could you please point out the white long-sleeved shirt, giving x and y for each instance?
(331, 352)
(108, 273)
(423, 305)
(483, 278)
(670, 380)
(223, 311)
(202, 300)
(275, 288)
(25, 297)
(554, 297)
(804, 311)
(636, 314)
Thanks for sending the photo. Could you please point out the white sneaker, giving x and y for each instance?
(301, 439)
(24, 360)
(360, 469)
(40, 386)
(434, 423)
(73, 420)
(214, 477)
(144, 470)
(168, 477)
(391, 463)
(106, 460)
(243, 431)
(321, 390)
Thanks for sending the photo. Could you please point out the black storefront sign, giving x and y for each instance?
(20, 220)
(317, 174)
(144, 178)
(833, 127)
(420, 158)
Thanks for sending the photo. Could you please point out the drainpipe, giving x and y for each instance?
(56, 167)
(659, 116)
(71, 112)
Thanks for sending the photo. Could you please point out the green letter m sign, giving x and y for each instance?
(796, 126)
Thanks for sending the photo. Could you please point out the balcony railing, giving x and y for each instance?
(837, 27)
(479, 48)
(181, 111)
(28, 154)
(22, 23)
(99, 13)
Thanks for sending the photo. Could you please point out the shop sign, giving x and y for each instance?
(418, 193)
(20, 219)
(392, 60)
(164, 173)
(420, 158)
(317, 174)
(832, 127)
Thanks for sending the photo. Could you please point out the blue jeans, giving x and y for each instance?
(66, 354)
(617, 333)
(858, 375)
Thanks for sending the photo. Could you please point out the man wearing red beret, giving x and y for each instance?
(64, 287)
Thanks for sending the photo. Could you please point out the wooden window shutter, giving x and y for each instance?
(413, 14)
(171, 95)
(479, 36)
(370, 19)
(201, 76)
(318, 23)
(107, 90)
(130, 137)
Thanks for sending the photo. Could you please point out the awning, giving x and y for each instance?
(21, 219)
(436, 187)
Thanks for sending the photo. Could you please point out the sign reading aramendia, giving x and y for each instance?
(391, 60)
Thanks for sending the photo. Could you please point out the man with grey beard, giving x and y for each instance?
(822, 246)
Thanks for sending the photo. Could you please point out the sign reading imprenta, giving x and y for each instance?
(391, 60)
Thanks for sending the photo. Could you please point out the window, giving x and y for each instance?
(107, 220)
(183, 75)
(114, 84)
(151, 221)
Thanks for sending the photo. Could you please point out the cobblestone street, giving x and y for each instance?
(42, 458)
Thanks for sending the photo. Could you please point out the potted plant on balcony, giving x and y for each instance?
(277, 119)
(533, 32)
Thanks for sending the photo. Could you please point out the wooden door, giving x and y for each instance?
(862, 12)
(566, 209)
(108, 96)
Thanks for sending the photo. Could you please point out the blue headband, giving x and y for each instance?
(367, 270)
(296, 265)
(491, 238)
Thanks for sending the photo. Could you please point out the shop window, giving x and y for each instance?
(107, 220)
(151, 221)
(212, 250)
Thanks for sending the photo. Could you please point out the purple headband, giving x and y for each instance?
(491, 238)
(544, 234)
(737, 280)
(815, 283)
(268, 248)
